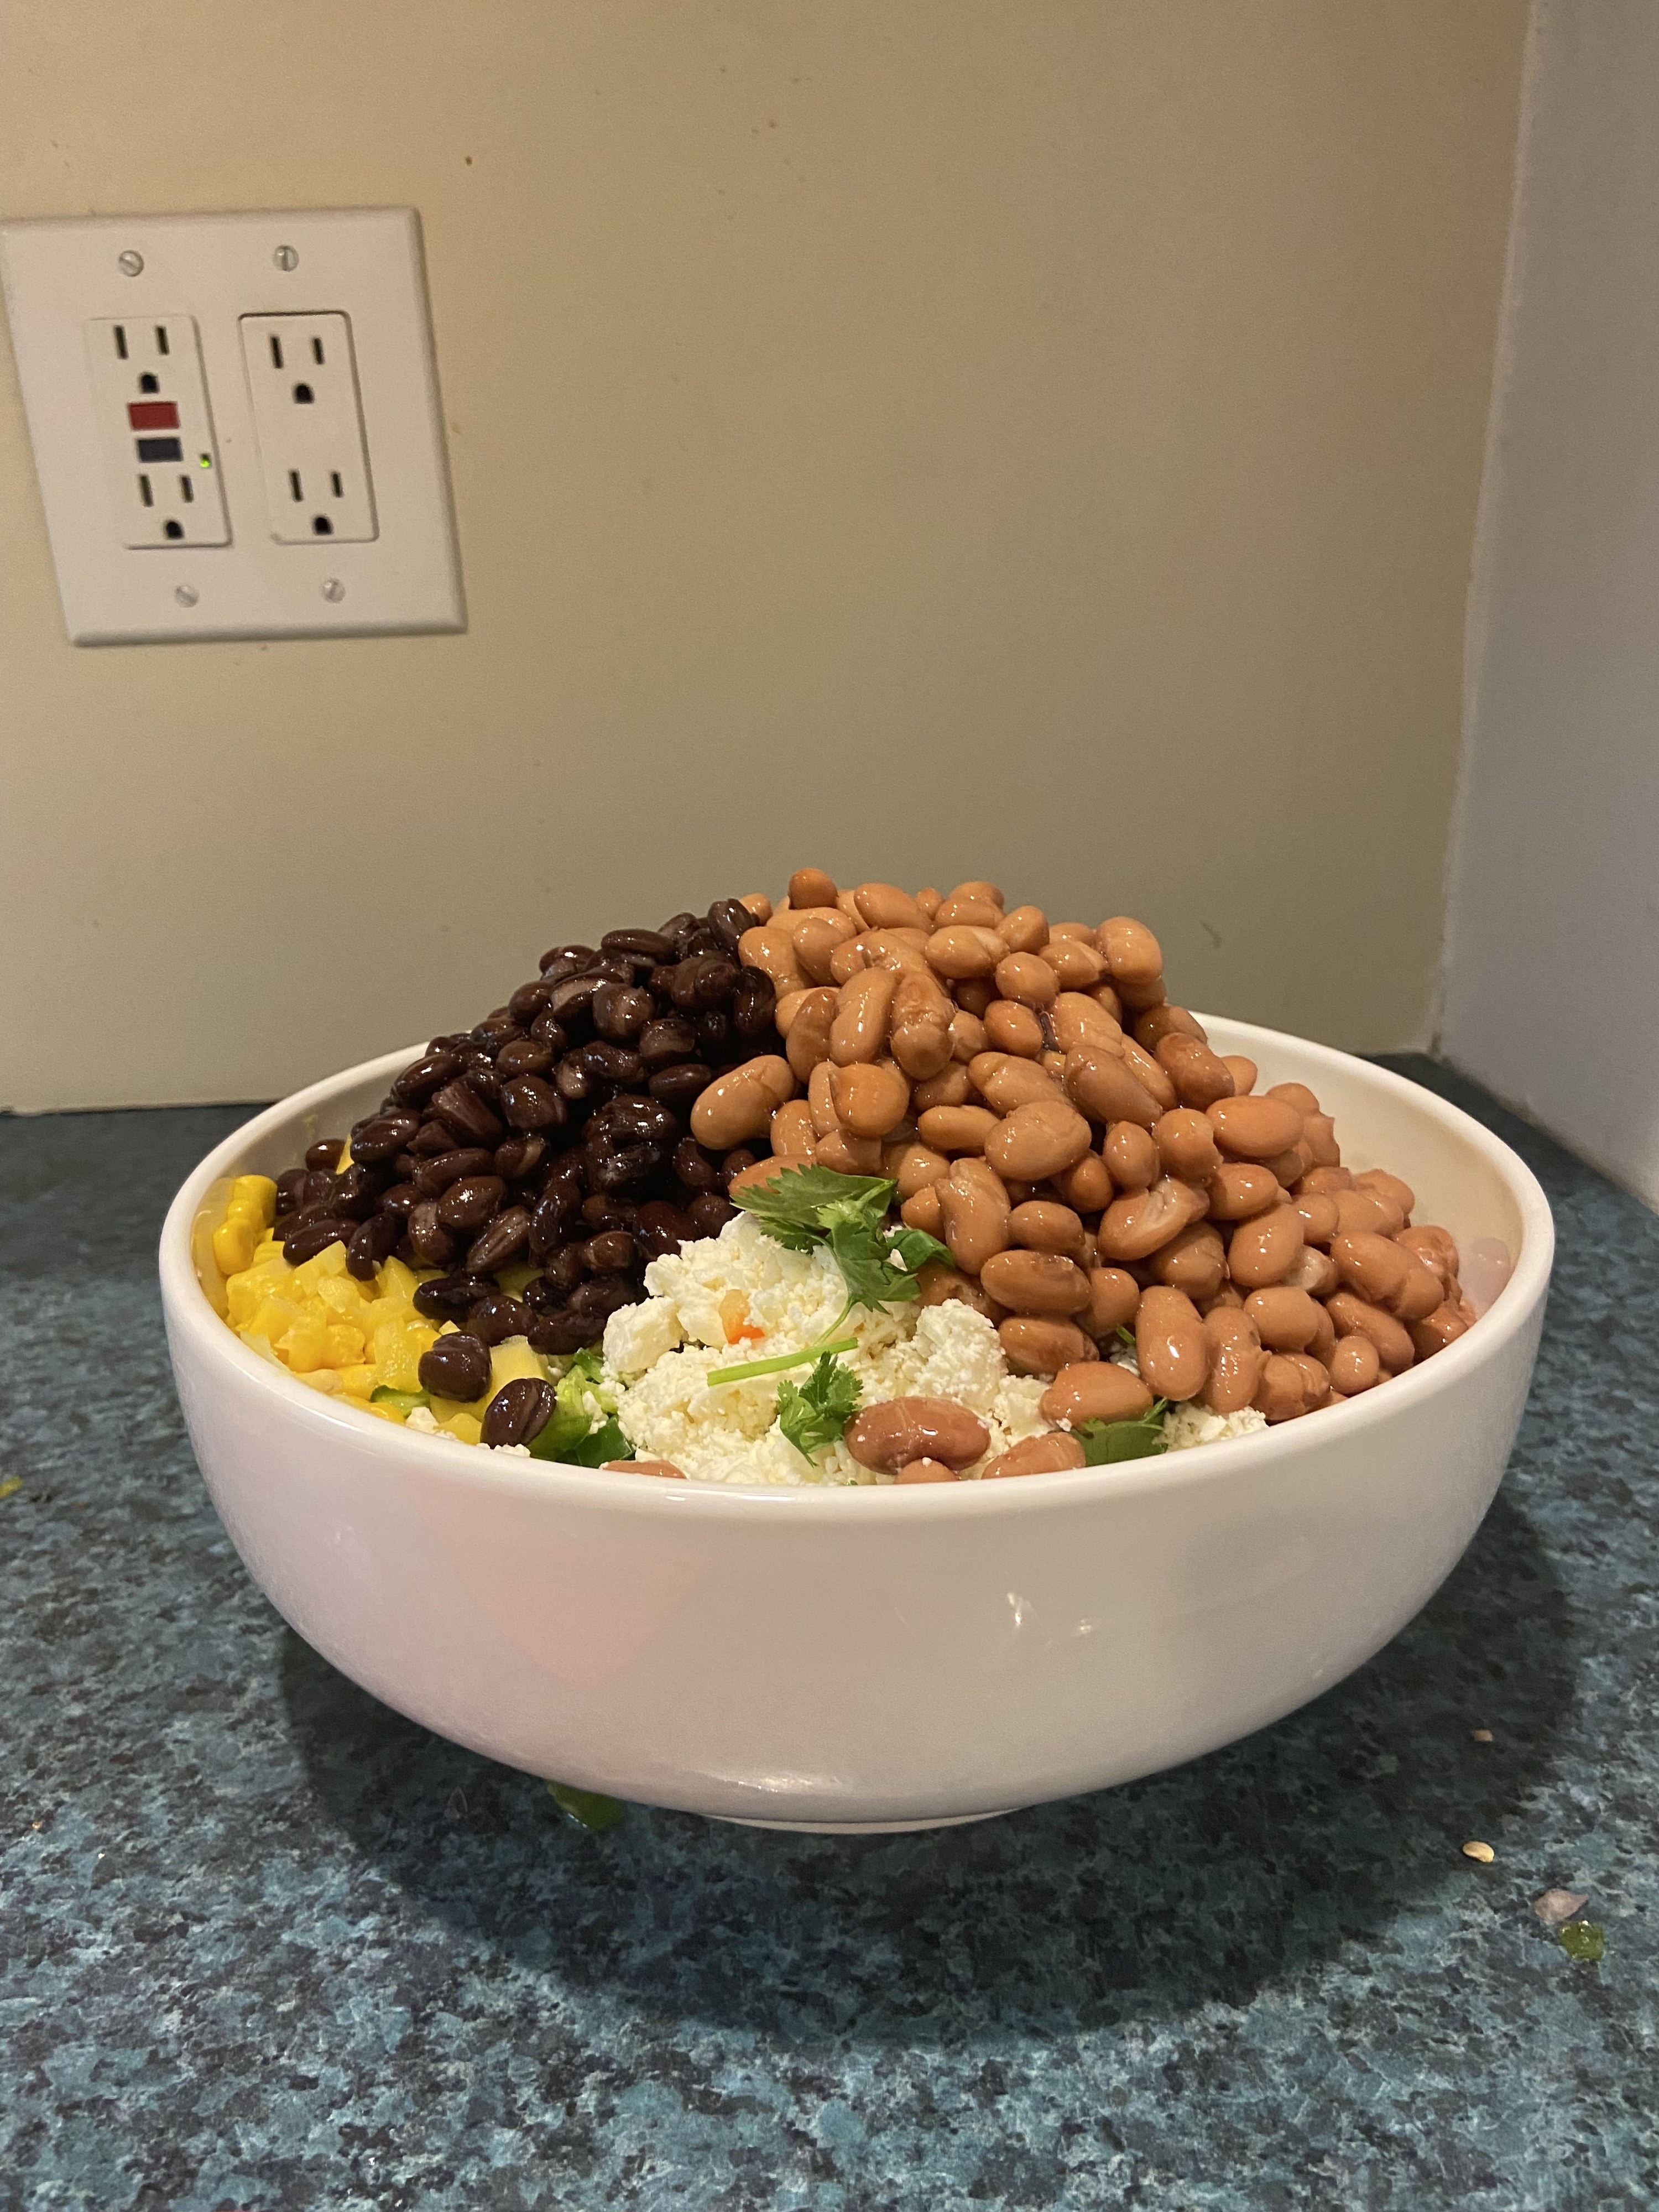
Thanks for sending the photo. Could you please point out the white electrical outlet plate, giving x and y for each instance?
(197, 297)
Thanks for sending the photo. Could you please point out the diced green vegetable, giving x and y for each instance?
(1583, 1939)
(607, 1441)
(404, 1401)
(588, 1808)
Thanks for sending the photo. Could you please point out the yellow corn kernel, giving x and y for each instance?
(397, 1282)
(255, 1197)
(466, 1426)
(245, 1294)
(233, 1243)
(512, 1359)
(303, 1345)
(382, 1413)
(344, 1160)
(273, 1320)
(359, 1382)
(397, 1350)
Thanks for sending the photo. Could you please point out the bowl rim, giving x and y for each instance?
(191, 1315)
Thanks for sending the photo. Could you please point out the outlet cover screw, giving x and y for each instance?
(186, 595)
(285, 256)
(333, 590)
(130, 264)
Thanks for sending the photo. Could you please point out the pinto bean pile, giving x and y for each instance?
(555, 1134)
(1090, 1164)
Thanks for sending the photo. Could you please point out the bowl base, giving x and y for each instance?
(863, 1827)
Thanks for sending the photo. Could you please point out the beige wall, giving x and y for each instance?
(926, 437)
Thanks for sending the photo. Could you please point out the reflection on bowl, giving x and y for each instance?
(872, 1657)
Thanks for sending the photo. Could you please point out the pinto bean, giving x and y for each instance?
(939, 1285)
(976, 913)
(1236, 1359)
(964, 951)
(1385, 1185)
(1244, 1072)
(807, 1039)
(1376, 1267)
(1006, 1082)
(1023, 930)
(973, 1204)
(890, 1435)
(974, 996)
(1042, 1140)
(1024, 978)
(1200, 1077)
(1239, 1191)
(1353, 1365)
(791, 1130)
(919, 1029)
(763, 1171)
(1039, 1225)
(1094, 1390)
(864, 1010)
(665, 1468)
(1100, 1085)
(884, 905)
(1150, 1029)
(967, 1037)
(917, 1166)
(1252, 1128)
(1053, 1454)
(1286, 1320)
(869, 1100)
(1263, 1250)
(848, 1154)
(1193, 1260)
(1133, 1227)
(1318, 1213)
(1282, 1393)
(1078, 1020)
(1294, 1094)
(811, 887)
(1435, 1331)
(1325, 1183)
(1150, 1076)
(1357, 1317)
(1186, 1144)
(1433, 1247)
(739, 1104)
(1133, 1156)
(773, 952)
(1088, 1186)
(1114, 1295)
(1077, 963)
(816, 940)
(1132, 953)
(957, 1128)
(926, 1470)
(922, 1210)
(1361, 1212)
(1312, 1271)
(951, 1086)
(1036, 1282)
(1171, 1349)
(1012, 1028)
(977, 888)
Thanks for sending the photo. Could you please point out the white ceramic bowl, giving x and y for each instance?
(871, 1657)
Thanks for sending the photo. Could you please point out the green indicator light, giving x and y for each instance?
(204, 460)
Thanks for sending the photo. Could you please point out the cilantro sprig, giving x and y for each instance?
(804, 1208)
(813, 1416)
(1107, 1442)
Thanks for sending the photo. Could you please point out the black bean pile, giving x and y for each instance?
(557, 1132)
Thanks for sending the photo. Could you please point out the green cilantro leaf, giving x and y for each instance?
(813, 1416)
(915, 1249)
(801, 1207)
(1107, 1442)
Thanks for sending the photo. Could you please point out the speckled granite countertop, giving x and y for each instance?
(265, 1944)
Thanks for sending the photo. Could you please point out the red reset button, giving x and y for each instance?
(153, 414)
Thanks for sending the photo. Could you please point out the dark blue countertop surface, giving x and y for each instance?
(263, 1943)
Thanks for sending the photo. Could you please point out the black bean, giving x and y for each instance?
(452, 1298)
(709, 1214)
(662, 1228)
(530, 1055)
(704, 981)
(621, 1010)
(648, 944)
(549, 1221)
(612, 1252)
(669, 1039)
(496, 1317)
(629, 1163)
(605, 1211)
(572, 1080)
(570, 1000)
(519, 1157)
(434, 1138)
(563, 1271)
(519, 1410)
(678, 926)
(423, 1077)
(496, 1030)
(374, 1241)
(463, 1111)
(681, 1087)
(356, 1192)
(403, 1166)
(485, 1083)
(456, 1366)
(468, 1203)
(604, 1294)
(563, 1330)
(634, 1114)
(754, 1004)
(431, 1240)
(528, 1000)
(324, 1153)
(659, 981)
(530, 1102)
(290, 1187)
(728, 919)
(713, 1035)
(306, 1240)
(434, 1176)
(568, 959)
(696, 1169)
(548, 1030)
(385, 1134)
(317, 1188)
(697, 941)
(503, 1240)
(734, 1162)
(398, 1202)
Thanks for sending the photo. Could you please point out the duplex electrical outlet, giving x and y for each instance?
(161, 465)
(309, 423)
(239, 507)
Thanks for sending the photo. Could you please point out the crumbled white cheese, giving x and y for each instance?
(1193, 1424)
